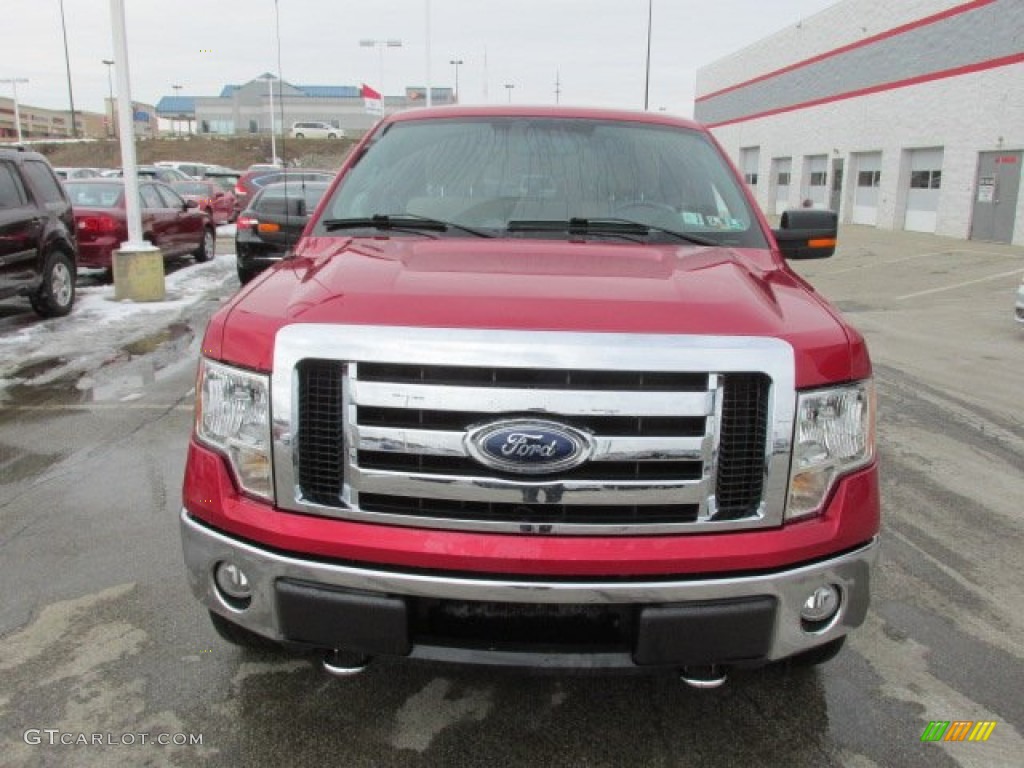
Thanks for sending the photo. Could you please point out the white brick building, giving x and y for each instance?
(902, 115)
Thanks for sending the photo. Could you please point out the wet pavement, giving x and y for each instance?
(100, 637)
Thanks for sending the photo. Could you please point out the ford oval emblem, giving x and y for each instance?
(528, 446)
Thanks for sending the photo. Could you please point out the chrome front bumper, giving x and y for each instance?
(204, 548)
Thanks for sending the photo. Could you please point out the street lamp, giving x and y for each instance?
(647, 77)
(273, 140)
(177, 106)
(380, 45)
(509, 87)
(14, 85)
(67, 61)
(456, 63)
(112, 126)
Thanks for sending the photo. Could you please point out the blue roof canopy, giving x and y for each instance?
(176, 105)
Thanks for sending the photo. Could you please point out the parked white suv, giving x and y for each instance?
(316, 131)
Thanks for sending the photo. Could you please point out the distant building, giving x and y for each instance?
(146, 122)
(245, 109)
(899, 115)
(39, 123)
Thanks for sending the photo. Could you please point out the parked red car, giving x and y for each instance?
(219, 204)
(176, 227)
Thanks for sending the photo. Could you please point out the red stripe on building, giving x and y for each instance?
(1016, 58)
(894, 32)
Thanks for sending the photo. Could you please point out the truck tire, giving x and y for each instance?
(241, 636)
(206, 248)
(56, 294)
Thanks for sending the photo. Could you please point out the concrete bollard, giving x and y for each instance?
(139, 274)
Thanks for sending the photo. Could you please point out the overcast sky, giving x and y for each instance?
(596, 48)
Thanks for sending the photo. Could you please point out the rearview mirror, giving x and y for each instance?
(807, 233)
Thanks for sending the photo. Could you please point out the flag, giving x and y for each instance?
(372, 101)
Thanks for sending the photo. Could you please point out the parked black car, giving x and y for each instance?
(271, 225)
(252, 181)
(38, 249)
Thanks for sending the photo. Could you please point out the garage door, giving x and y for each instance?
(925, 187)
(782, 169)
(868, 167)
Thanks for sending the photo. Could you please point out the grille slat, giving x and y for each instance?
(739, 473)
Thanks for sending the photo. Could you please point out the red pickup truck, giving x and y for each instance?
(537, 388)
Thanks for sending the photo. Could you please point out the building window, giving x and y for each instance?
(750, 158)
(254, 126)
(925, 179)
(819, 178)
(782, 179)
(218, 127)
(869, 178)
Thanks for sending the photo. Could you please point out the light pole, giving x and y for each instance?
(67, 61)
(509, 87)
(177, 106)
(273, 140)
(380, 45)
(17, 116)
(456, 63)
(647, 77)
(112, 125)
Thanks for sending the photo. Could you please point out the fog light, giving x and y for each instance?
(232, 581)
(821, 605)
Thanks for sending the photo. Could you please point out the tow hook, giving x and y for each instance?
(345, 663)
(705, 677)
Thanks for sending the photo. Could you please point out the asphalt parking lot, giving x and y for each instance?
(101, 636)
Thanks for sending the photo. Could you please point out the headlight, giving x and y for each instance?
(233, 417)
(834, 435)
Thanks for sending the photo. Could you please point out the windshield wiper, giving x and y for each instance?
(400, 221)
(603, 226)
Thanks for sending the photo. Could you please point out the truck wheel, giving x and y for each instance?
(299, 136)
(56, 295)
(241, 636)
(820, 655)
(206, 247)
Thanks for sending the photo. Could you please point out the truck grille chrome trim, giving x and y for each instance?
(685, 433)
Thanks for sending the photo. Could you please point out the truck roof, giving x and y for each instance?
(587, 113)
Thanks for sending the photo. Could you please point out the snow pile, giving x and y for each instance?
(36, 351)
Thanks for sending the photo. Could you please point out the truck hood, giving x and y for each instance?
(538, 285)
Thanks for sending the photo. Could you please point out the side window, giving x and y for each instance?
(45, 183)
(170, 197)
(150, 197)
(12, 193)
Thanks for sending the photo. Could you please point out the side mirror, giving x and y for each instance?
(191, 204)
(807, 233)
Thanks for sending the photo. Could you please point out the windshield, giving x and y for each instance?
(490, 173)
(92, 195)
(276, 196)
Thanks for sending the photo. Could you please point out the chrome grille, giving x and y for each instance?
(678, 446)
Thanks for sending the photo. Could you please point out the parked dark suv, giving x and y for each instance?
(38, 249)
(271, 225)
